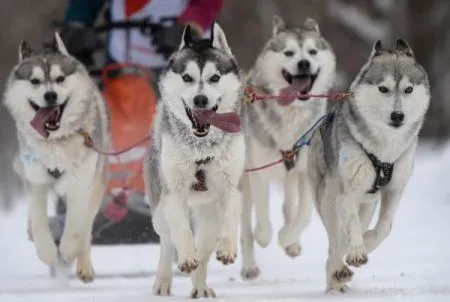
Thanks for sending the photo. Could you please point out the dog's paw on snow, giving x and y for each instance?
(202, 292)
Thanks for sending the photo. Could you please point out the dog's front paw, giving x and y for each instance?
(202, 292)
(344, 275)
(162, 286)
(225, 253)
(69, 248)
(293, 250)
(46, 249)
(263, 234)
(188, 264)
(250, 273)
(357, 256)
(286, 238)
(85, 270)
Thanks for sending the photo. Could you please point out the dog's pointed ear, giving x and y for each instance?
(25, 50)
(377, 48)
(278, 25)
(403, 47)
(219, 40)
(312, 25)
(186, 38)
(58, 45)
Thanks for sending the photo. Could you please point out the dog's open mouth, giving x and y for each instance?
(47, 119)
(202, 120)
(300, 84)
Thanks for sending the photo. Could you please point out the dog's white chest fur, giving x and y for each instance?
(70, 157)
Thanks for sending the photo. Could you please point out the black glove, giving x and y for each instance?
(81, 42)
(167, 39)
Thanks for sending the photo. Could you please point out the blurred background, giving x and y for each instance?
(350, 25)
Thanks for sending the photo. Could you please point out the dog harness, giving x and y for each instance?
(200, 175)
(55, 173)
(383, 171)
(290, 158)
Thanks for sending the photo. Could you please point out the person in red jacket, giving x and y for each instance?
(135, 45)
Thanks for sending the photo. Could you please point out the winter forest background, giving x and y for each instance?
(350, 25)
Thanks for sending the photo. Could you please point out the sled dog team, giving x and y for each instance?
(204, 139)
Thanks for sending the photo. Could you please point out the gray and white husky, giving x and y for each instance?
(55, 106)
(196, 160)
(364, 153)
(294, 60)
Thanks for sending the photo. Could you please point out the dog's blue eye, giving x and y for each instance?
(313, 52)
(288, 53)
(187, 78)
(408, 90)
(383, 89)
(35, 81)
(215, 78)
(60, 79)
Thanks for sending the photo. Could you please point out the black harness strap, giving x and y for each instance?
(55, 173)
(200, 175)
(383, 173)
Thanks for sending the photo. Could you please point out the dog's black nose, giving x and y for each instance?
(50, 98)
(397, 118)
(200, 101)
(303, 65)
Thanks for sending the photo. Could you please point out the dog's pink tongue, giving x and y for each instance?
(228, 122)
(291, 92)
(40, 118)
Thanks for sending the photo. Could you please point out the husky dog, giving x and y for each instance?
(294, 60)
(364, 153)
(56, 106)
(194, 163)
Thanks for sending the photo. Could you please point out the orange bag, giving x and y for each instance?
(131, 103)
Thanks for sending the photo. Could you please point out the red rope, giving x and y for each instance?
(90, 144)
(252, 96)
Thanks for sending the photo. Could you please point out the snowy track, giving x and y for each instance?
(413, 264)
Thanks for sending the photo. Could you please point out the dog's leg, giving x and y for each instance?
(289, 235)
(259, 184)
(338, 273)
(163, 279)
(176, 214)
(40, 230)
(366, 211)
(250, 269)
(347, 210)
(206, 234)
(388, 207)
(230, 207)
(85, 269)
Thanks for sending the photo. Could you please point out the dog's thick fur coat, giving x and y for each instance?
(272, 128)
(61, 162)
(189, 222)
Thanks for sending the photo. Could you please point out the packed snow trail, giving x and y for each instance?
(413, 264)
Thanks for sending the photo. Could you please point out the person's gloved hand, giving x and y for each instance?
(81, 42)
(167, 39)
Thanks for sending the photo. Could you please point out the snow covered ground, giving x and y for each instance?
(413, 264)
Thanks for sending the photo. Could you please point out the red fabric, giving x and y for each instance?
(202, 12)
(117, 209)
(132, 6)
